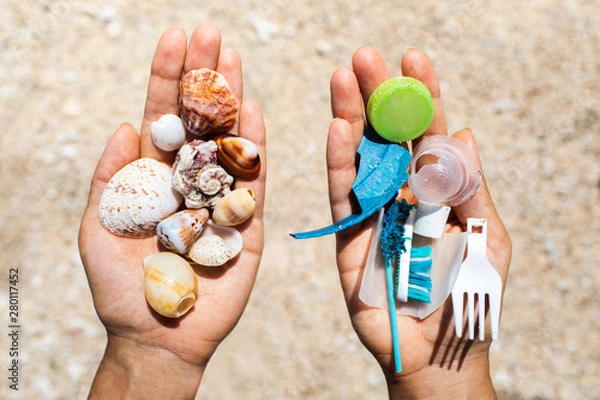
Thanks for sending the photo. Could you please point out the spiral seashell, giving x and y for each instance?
(235, 207)
(180, 230)
(217, 245)
(170, 284)
(197, 176)
(238, 156)
(168, 133)
(137, 198)
(207, 105)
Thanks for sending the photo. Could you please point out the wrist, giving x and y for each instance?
(468, 379)
(133, 370)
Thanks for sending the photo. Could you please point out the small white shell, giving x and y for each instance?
(217, 245)
(235, 207)
(170, 284)
(137, 198)
(210, 251)
(178, 231)
(168, 132)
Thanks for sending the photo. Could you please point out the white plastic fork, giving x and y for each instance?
(477, 276)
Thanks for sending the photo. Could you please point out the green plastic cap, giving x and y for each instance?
(400, 109)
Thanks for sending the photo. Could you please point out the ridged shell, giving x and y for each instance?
(217, 245)
(210, 251)
(238, 156)
(207, 105)
(170, 284)
(235, 207)
(180, 230)
(137, 198)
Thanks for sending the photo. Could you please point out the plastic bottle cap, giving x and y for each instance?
(400, 109)
(431, 219)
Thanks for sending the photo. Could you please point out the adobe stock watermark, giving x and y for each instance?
(13, 328)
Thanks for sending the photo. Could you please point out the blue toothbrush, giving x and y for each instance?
(412, 265)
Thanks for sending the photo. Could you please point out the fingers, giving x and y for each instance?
(341, 169)
(370, 70)
(163, 88)
(252, 127)
(481, 205)
(204, 48)
(416, 64)
(346, 101)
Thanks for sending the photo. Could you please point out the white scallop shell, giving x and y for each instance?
(217, 245)
(170, 284)
(168, 132)
(137, 198)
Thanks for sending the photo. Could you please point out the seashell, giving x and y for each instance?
(197, 176)
(168, 132)
(217, 245)
(180, 230)
(210, 251)
(235, 207)
(170, 284)
(137, 198)
(207, 105)
(238, 156)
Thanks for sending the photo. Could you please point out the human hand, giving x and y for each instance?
(149, 355)
(436, 364)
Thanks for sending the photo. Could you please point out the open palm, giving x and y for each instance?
(114, 264)
(429, 343)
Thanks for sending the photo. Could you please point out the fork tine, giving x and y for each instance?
(457, 305)
(481, 301)
(495, 312)
(471, 316)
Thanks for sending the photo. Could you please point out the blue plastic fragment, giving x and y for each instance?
(381, 173)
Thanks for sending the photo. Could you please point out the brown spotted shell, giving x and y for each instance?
(207, 105)
(238, 156)
(137, 198)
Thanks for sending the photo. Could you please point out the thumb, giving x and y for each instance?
(122, 148)
(481, 205)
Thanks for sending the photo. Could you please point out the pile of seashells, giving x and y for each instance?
(145, 197)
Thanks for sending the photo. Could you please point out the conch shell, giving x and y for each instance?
(235, 207)
(180, 230)
(207, 105)
(238, 156)
(170, 284)
(197, 176)
(217, 245)
(137, 198)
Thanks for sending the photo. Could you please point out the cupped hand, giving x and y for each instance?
(429, 346)
(114, 264)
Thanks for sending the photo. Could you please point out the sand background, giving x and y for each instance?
(523, 75)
